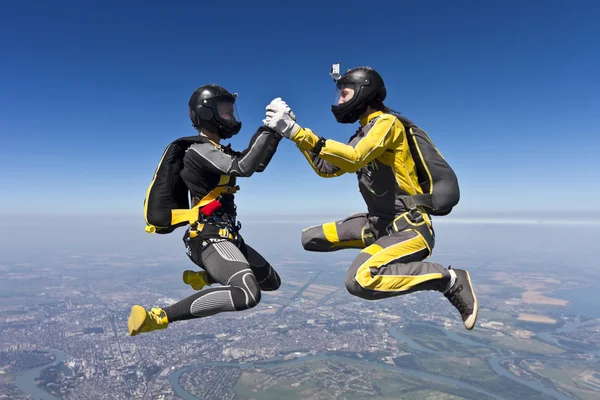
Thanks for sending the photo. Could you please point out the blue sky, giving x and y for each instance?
(90, 95)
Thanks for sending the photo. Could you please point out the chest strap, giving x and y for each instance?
(191, 215)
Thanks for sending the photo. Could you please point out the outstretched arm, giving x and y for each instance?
(387, 132)
(323, 168)
(242, 164)
(274, 140)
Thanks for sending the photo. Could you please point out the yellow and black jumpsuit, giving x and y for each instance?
(391, 261)
(210, 171)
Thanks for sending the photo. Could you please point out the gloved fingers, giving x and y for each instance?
(273, 102)
(277, 104)
(279, 109)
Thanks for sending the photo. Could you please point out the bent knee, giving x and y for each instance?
(250, 288)
(270, 285)
(313, 239)
(355, 288)
(275, 282)
(253, 298)
(244, 299)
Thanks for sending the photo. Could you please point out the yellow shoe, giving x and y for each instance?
(141, 320)
(197, 280)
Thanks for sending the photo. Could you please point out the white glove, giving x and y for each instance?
(280, 118)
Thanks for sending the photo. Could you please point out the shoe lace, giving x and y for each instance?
(457, 300)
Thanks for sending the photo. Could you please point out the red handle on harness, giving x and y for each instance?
(210, 208)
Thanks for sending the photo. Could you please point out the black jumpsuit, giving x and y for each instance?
(240, 269)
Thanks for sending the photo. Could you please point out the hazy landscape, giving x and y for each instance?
(66, 302)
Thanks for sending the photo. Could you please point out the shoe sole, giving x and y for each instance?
(136, 320)
(470, 322)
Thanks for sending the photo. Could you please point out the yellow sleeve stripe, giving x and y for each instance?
(314, 167)
(352, 154)
(330, 232)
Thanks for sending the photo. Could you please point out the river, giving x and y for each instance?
(270, 364)
(568, 327)
(26, 381)
(494, 362)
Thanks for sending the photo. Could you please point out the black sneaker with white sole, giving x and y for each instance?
(462, 296)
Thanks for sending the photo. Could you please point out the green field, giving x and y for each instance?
(340, 380)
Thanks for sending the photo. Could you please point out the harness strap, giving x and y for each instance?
(413, 219)
(405, 222)
(211, 231)
(367, 235)
(191, 215)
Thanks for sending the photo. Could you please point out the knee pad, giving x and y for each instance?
(250, 290)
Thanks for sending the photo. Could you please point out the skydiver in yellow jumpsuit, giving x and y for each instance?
(393, 246)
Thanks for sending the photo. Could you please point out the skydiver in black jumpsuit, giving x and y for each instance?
(209, 172)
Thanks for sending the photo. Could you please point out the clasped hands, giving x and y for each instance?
(280, 118)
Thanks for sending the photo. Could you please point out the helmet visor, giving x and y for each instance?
(227, 111)
(344, 92)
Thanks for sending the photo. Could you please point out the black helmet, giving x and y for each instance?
(367, 86)
(212, 107)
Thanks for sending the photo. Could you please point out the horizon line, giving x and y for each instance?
(504, 217)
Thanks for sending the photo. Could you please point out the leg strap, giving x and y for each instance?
(413, 219)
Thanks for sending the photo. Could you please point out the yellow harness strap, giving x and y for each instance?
(190, 215)
(222, 232)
